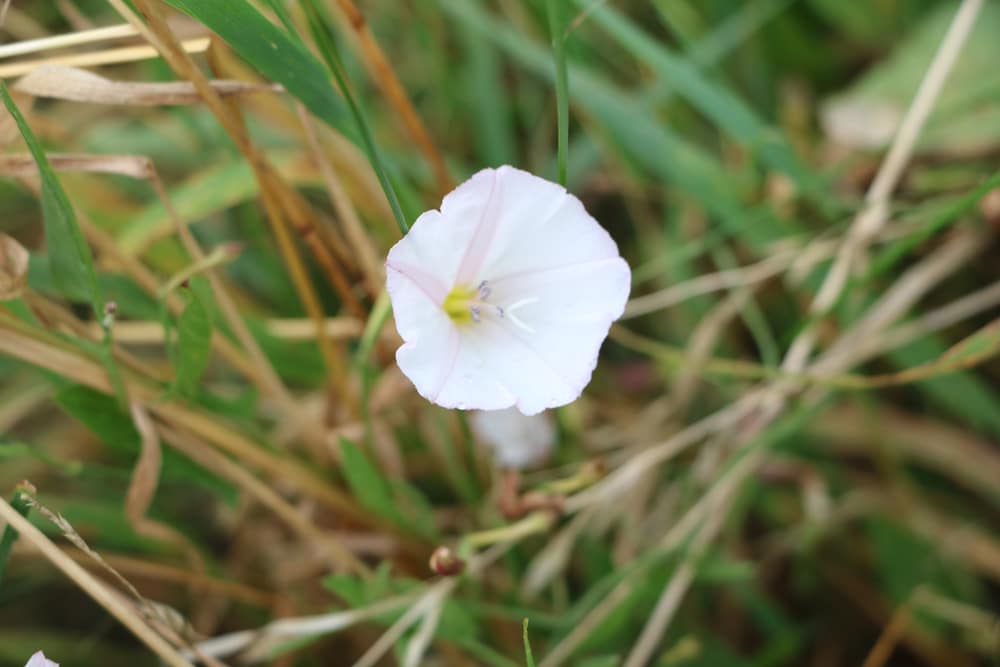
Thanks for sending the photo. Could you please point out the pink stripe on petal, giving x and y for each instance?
(483, 237)
(454, 341)
(428, 283)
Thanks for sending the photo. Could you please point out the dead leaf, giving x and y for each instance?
(78, 85)
(23, 164)
(146, 475)
(13, 268)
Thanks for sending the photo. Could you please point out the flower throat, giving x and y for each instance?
(466, 304)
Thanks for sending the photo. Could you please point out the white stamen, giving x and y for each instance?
(476, 308)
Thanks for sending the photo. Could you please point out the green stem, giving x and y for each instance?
(539, 522)
(20, 504)
(324, 42)
(557, 28)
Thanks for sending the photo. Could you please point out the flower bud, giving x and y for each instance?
(445, 562)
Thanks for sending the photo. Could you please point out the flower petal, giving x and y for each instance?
(39, 660)
(567, 319)
(433, 357)
(472, 381)
(540, 227)
(518, 441)
(497, 364)
(431, 252)
(555, 283)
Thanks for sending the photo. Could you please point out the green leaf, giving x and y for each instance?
(557, 30)
(488, 103)
(72, 264)
(966, 116)
(414, 510)
(965, 395)
(720, 569)
(712, 99)
(194, 338)
(396, 500)
(274, 53)
(102, 415)
(366, 481)
(319, 25)
(601, 661)
(20, 504)
(664, 153)
(529, 658)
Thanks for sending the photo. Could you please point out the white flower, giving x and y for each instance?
(39, 660)
(504, 296)
(518, 441)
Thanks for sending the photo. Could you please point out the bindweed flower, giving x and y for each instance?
(504, 296)
(518, 441)
(39, 660)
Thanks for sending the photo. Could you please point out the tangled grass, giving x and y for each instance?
(788, 454)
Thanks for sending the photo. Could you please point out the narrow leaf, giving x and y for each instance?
(71, 263)
(529, 658)
(194, 340)
(366, 481)
(20, 503)
(275, 54)
(557, 30)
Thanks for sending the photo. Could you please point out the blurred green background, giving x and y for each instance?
(727, 147)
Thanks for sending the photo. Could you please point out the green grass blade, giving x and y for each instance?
(557, 29)
(728, 111)
(20, 504)
(194, 339)
(367, 483)
(320, 28)
(628, 122)
(280, 57)
(489, 103)
(529, 658)
(72, 263)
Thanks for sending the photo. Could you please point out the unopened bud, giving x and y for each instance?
(110, 310)
(24, 486)
(446, 562)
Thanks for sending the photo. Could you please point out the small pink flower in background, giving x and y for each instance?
(504, 296)
(39, 660)
(518, 441)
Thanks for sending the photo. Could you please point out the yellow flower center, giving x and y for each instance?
(467, 304)
(459, 303)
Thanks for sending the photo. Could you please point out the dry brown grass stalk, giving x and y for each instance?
(361, 242)
(101, 594)
(384, 76)
(39, 348)
(281, 203)
(77, 85)
(77, 38)
(870, 220)
(125, 54)
(340, 558)
(161, 573)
